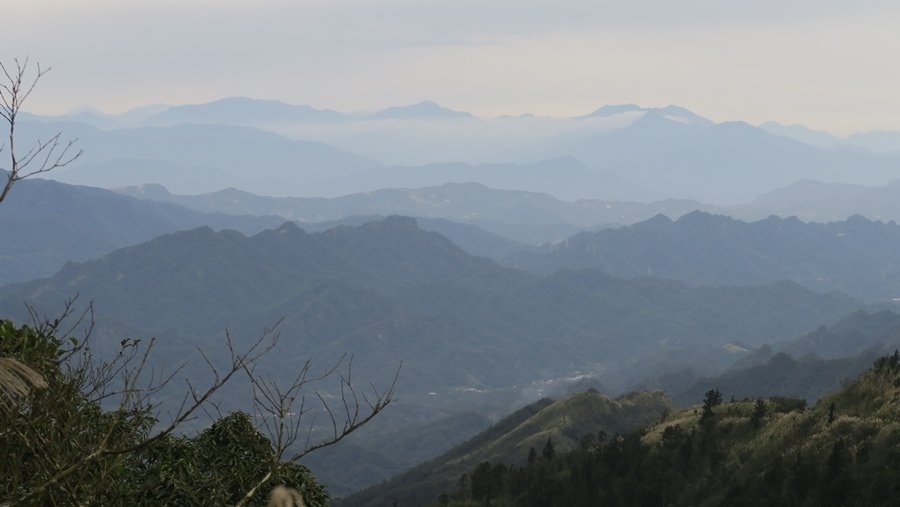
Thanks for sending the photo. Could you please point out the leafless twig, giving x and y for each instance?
(136, 393)
(287, 417)
(44, 155)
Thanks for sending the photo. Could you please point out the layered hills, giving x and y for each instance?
(44, 224)
(527, 217)
(503, 211)
(563, 177)
(380, 289)
(50, 223)
(624, 152)
(724, 163)
(817, 201)
(471, 334)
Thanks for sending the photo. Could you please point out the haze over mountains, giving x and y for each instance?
(855, 256)
(875, 140)
(501, 260)
(825, 202)
(807, 200)
(197, 157)
(478, 254)
(527, 217)
(622, 152)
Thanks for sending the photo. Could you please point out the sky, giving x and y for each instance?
(826, 64)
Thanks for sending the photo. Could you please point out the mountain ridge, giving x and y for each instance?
(855, 255)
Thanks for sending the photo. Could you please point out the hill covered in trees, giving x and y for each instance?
(562, 423)
(775, 451)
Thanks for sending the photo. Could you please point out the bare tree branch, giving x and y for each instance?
(44, 156)
(288, 423)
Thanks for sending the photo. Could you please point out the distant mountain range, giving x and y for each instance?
(724, 163)
(674, 113)
(196, 158)
(628, 152)
(808, 200)
(242, 111)
(857, 256)
(565, 178)
(825, 202)
(875, 140)
(803, 134)
(425, 110)
(260, 112)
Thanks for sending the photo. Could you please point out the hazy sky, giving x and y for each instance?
(825, 63)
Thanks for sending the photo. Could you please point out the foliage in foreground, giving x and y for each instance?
(844, 451)
(51, 440)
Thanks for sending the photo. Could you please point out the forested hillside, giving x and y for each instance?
(513, 439)
(772, 451)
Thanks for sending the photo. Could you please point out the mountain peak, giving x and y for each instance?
(425, 110)
(613, 109)
(149, 191)
(671, 113)
(241, 110)
(655, 122)
(657, 219)
(703, 218)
